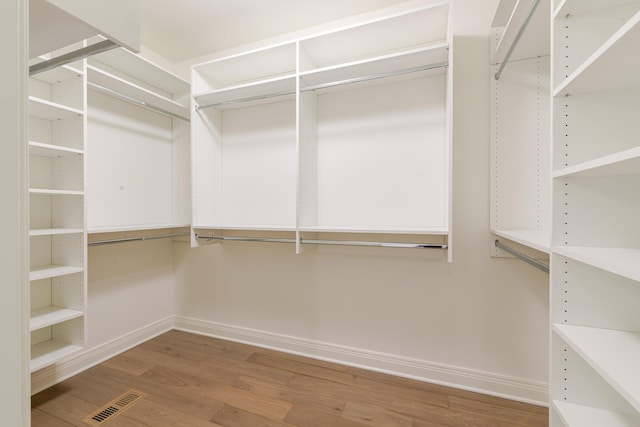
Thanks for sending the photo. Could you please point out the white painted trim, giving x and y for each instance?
(438, 373)
(84, 360)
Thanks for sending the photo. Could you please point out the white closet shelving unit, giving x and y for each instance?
(347, 131)
(138, 132)
(57, 123)
(520, 131)
(595, 379)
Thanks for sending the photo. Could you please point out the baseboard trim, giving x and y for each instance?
(84, 360)
(453, 376)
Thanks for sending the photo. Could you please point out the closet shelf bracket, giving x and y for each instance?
(524, 257)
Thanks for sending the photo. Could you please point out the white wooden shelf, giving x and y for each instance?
(536, 37)
(354, 43)
(48, 110)
(50, 150)
(270, 63)
(49, 316)
(539, 240)
(613, 354)
(51, 192)
(620, 261)
(39, 272)
(126, 228)
(375, 230)
(269, 90)
(141, 69)
(626, 162)
(251, 227)
(54, 231)
(137, 94)
(48, 352)
(575, 7)
(610, 67)
(585, 416)
(58, 74)
(436, 55)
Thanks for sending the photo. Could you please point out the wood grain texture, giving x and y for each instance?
(193, 380)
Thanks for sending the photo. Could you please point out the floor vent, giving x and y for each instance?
(114, 408)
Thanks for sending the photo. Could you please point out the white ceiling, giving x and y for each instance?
(184, 29)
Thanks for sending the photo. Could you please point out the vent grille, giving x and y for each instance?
(114, 408)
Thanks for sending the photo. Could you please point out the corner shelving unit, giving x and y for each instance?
(138, 134)
(596, 181)
(520, 146)
(57, 123)
(347, 131)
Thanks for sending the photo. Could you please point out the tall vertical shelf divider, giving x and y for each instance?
(595, 281)
(341, 133)
(520, 127)
(57, 230)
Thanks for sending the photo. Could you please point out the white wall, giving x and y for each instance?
(130, 287)
(479, 323)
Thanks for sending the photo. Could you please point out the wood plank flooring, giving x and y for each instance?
(191, 380)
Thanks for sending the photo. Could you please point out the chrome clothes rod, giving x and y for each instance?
(517, 39)
(135, 101)
(524, 257)
(327, 85)
(327, 242)
(247, 99)
(137, 239)
(375, 76)
(81, 53)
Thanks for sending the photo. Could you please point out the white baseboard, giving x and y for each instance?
(453, 376)
(84, 360)
(437, 373)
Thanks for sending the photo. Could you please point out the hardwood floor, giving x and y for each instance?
(191, 380)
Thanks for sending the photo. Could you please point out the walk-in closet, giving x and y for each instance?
(282, 213)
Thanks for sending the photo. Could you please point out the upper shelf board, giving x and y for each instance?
(55, 24)
(576, 7)
(135, 93)
(611, 66)
(142, 69)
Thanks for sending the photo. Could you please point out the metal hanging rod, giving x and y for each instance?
(137, 239)
(135, 101)
(326, 85)
(76, 55)
(247, 99)
(524, 257)
(375, 76)
(517, 39)
(326, 242)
